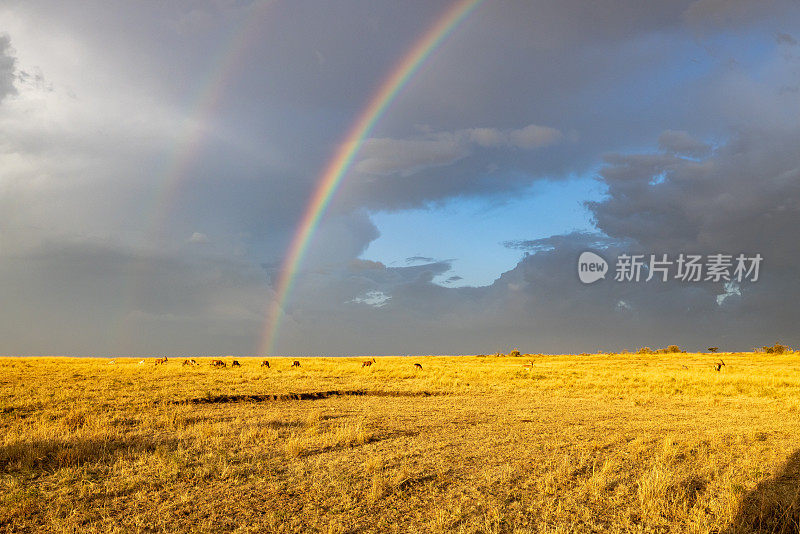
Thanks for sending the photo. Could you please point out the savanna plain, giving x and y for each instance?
(535, 443)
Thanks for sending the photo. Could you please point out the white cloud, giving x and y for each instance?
(198, 238)
(681, 142)
(388, 156)
(487, 137)
(535, 136)
(731, 290)
(376, 299)
(384, 156)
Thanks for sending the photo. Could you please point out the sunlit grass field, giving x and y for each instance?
(590, 443)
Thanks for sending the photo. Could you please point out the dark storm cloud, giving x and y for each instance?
(680, 142)
(713, 169)
(406, 156)
(359, 264)
(7, 69)
(595, 100)
(62, 290)
(417, 259)
(734, 13)
(785, 38)
(743, 198)
(746, 196)
(392, 172)
(740, 198)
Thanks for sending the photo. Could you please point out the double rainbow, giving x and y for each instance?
(338, 166)
(223, 67)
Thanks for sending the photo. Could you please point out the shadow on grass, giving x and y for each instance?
(48, 454)
(774, 505)
(411, 483)
(355, 444)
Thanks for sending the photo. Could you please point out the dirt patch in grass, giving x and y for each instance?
(308, 395)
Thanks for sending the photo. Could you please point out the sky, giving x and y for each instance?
(157, 159)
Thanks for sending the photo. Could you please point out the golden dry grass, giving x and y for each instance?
(597, 443)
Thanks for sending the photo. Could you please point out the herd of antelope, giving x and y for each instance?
(219, 364)
(366, 363)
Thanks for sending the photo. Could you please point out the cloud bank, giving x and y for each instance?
(147, 200)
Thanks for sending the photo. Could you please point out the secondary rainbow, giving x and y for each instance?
(223, 68)
(338, 166)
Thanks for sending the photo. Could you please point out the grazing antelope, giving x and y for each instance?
(193, 362)
(218, 363)
(295, 364)
(418, 366)
(159, 361)
(366, 363)
(265, 363)
(718, 366)
(236, 364)
(186, 362)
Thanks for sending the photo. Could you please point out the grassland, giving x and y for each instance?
(597, 443)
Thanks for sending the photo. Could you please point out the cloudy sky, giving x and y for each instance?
(156, 159)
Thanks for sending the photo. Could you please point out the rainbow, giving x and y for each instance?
(342, 159)
(224, 67)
